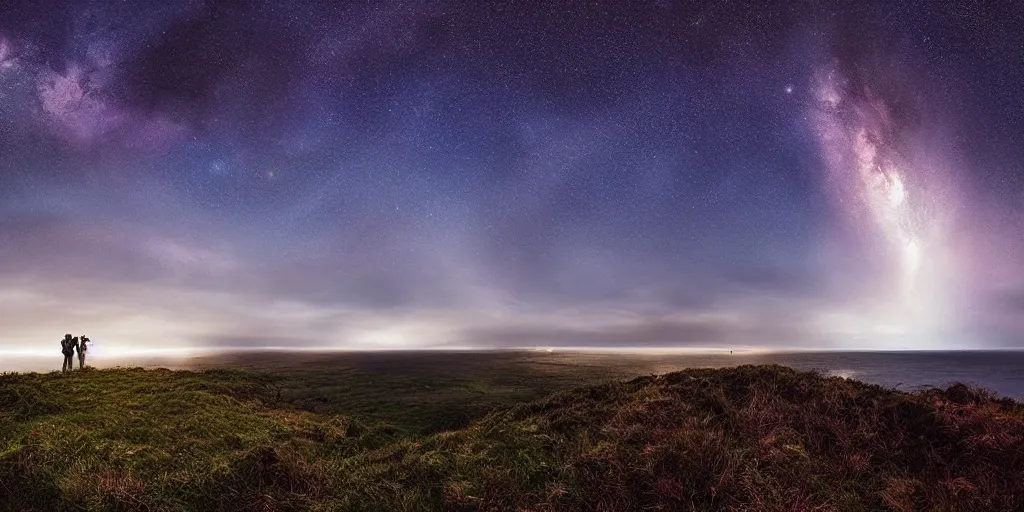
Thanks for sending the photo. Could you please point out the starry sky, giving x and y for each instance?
(181, 174)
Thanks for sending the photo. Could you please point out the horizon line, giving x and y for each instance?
(121, 352)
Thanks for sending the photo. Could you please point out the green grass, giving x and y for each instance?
(501, 432)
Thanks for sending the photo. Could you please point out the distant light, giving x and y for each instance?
(897, 194)
(789, 89)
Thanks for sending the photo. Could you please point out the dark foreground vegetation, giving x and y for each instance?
(748, 438)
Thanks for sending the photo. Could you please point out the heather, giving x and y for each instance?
(744, 438)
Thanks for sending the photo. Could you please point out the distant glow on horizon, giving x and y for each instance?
(702, 350)
(112, 352)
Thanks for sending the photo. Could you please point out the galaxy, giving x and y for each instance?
(186, 175)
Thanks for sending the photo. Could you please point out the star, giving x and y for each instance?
(395, 162)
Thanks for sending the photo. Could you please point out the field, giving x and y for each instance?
(498, 431)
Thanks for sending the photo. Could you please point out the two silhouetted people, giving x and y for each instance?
(68, 346)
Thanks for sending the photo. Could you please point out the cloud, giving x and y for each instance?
(183, 256)
(1013, 301)
(674, 333)
(149, 314)
(773, 281)
(123, 316)
(755, 322)
(54, 246)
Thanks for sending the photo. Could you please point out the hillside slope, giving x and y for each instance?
(748, 438)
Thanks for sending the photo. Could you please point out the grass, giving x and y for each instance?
(499, 433)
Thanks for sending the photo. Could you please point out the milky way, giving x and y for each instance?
(899, 205)
(183, 175)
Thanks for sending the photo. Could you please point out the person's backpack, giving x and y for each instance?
(66, 347)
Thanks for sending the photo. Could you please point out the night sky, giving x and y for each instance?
(712, 174)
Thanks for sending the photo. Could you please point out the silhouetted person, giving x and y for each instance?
(81, 351)
(74, 348)
(67, 347)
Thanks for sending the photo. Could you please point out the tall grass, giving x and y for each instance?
(748, 438)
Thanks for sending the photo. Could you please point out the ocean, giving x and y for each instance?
(999, 371)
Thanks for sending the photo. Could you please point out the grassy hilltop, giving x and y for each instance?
(748, 438)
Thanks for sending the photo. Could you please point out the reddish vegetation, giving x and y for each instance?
(747, 438)
(769, 438)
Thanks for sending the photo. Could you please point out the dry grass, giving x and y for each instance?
(748, 438)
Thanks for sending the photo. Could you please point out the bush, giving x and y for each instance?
(746, 438)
